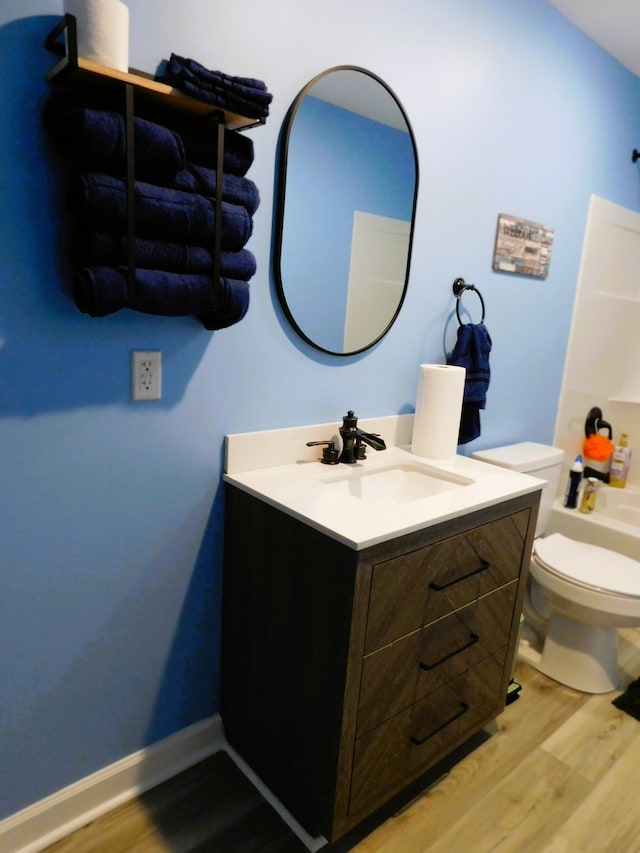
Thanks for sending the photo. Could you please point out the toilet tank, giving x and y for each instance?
(539, 460)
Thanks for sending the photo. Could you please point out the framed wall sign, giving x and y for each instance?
(522, 247)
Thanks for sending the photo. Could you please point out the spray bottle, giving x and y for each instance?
(573, 484)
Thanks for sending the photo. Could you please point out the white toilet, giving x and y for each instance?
(578, 595)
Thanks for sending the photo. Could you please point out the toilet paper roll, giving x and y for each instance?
(103, 31)
(438, 409)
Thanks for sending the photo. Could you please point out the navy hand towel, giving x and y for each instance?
(214, 78)
(232, 102)
(244, 95)
(471, 351)
(161, 213)
(99, 291)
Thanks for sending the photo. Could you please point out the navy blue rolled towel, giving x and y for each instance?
(96, 138)
(99, 291)
(177, 295)
(100, 201)
(195, 178)
(199, 179)
(240, 266)
(99, 248)
(199, 136)
(200, 143)
(234, 305)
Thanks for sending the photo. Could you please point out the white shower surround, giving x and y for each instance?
(602, 366)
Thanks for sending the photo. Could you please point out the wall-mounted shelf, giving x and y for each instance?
(84, 75)
(78, 71)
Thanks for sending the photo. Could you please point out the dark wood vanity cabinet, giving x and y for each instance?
(347, 674)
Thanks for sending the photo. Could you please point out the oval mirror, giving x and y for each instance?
(348, 185)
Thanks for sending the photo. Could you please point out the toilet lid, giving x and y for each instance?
(589, 565)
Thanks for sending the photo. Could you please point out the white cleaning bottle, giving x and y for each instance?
(573, 484)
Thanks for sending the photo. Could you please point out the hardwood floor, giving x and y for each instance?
(210, 807)
(559, 773)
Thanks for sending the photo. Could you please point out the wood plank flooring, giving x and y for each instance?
(560, 773)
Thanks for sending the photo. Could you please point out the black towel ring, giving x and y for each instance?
(459, 287)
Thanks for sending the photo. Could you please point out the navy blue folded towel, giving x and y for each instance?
(471, 351)
(233, 103)
(95, 138)
(244, 95)
(215, 78)
(100, 201)
(99, 291)
(99, 248)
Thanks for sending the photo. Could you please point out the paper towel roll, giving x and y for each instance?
(103, 31)
(438, 408)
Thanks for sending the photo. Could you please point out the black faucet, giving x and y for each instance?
(354, 439)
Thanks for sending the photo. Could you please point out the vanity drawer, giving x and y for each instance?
(401, 749)
(416, 588)
(396, 676)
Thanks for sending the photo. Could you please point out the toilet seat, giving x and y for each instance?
(588, 566)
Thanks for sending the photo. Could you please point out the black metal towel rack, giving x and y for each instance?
(459, 287)
(68, 49)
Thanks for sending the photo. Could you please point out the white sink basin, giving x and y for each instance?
(387, 495)
(397, 484)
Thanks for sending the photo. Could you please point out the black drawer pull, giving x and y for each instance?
(473, 639)
(463, 709)
(484, 564)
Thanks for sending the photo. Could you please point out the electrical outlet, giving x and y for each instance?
(146, 375)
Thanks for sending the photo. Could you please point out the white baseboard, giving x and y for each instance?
(49, 820)
(312, 844)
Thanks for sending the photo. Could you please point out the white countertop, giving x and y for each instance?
(305, 488)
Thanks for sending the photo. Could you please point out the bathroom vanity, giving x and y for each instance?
(350, 666)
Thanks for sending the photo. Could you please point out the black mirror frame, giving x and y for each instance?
(283, 145)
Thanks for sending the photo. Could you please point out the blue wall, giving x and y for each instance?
(110, 539)
(343, 162)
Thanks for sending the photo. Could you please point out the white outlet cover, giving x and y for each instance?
(146, 375)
